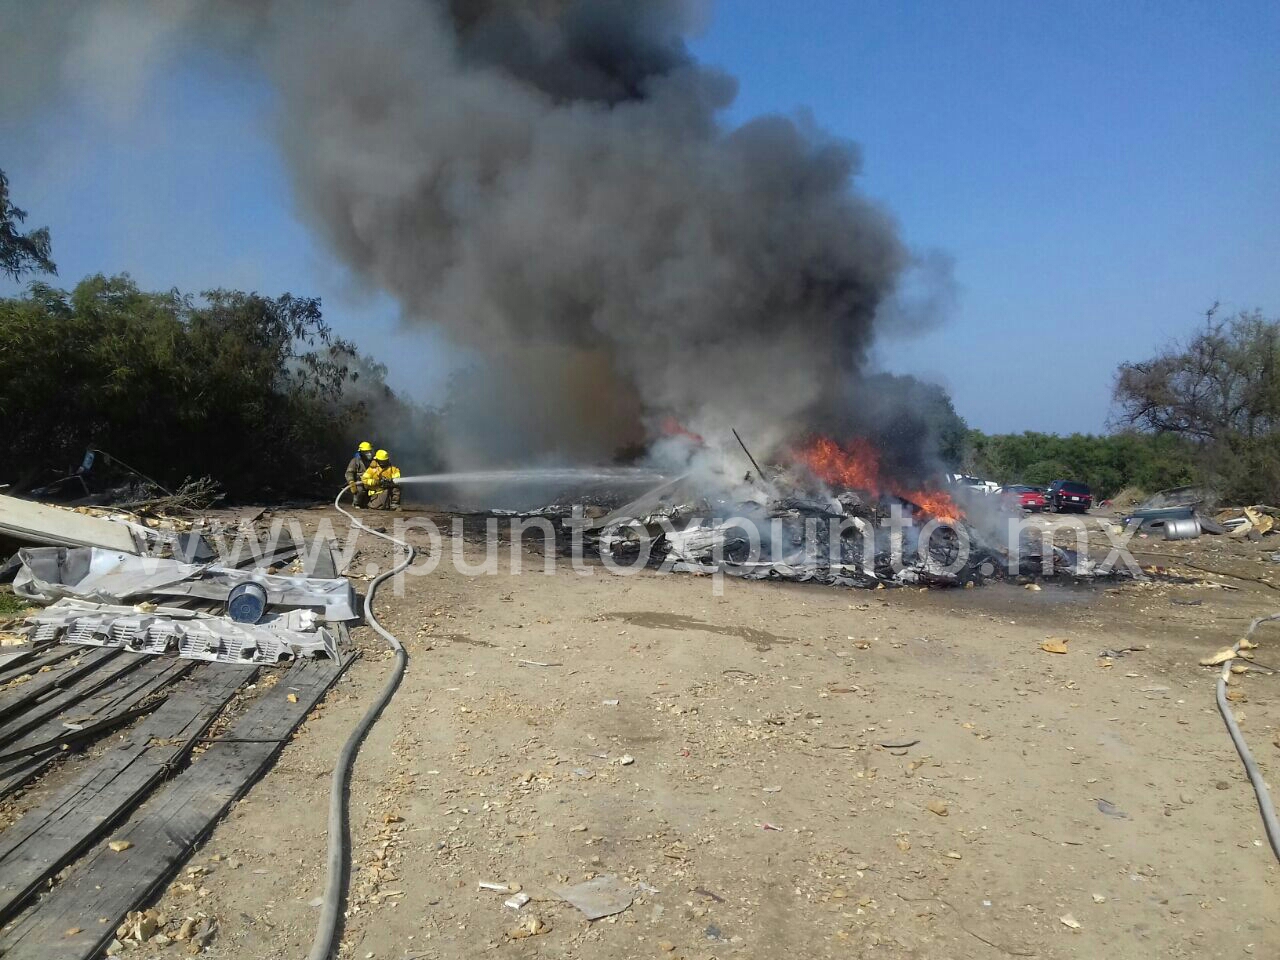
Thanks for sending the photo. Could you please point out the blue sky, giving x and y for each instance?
(1100, 175)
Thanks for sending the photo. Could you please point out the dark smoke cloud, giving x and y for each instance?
(549, 181)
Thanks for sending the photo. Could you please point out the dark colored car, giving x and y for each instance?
(1064, 496)
(1022, 497)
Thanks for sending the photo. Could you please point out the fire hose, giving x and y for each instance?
(336, 861)
(1269, 822)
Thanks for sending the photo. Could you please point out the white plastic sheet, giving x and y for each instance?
(107, 576)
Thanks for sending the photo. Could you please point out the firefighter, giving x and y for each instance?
(380, 482)
(355, 473)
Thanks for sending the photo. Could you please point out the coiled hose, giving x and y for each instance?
(335, 864)
(1269, 822)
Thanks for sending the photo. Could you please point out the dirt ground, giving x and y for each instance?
(743, 760)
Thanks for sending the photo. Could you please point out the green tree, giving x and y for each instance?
(253, 391)
(21, 252)
(1219, 390)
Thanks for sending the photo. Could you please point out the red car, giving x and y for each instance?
(1021, 497)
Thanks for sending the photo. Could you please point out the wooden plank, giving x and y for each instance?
(29, 521)
(157, 672)
(16, 656)
(65, 698)
(105, 885)
(23, 771)
(24, 767)
(150, 676)
(120, 704)
(41, 658)
(27, 695)
(48, 837)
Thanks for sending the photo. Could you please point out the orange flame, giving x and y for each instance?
(935, 503)
(856, 465)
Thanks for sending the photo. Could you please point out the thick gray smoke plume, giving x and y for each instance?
(549, 181)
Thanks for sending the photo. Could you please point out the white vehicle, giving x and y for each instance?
(976, 484)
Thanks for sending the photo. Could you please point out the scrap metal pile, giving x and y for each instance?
(789, 528)
(109, 583)
(791, 538)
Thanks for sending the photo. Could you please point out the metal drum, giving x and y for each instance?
(247, 602)
(1184, 528)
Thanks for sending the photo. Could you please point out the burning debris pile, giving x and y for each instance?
(558, 186)
(829, 517)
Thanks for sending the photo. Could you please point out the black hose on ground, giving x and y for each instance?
(336, 861)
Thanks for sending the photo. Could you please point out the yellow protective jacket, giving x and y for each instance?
(375, 477)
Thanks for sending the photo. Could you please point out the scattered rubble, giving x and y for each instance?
(1252, 522)
(532, 927)
(153, 927)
